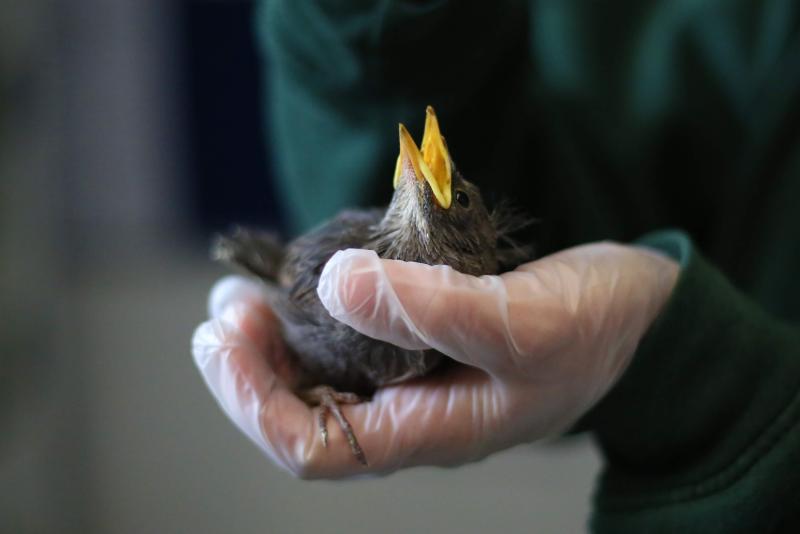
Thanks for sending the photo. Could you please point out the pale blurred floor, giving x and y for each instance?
(165, 459)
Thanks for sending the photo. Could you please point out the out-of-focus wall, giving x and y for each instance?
(88, 157)
(105, 426)
(39, 408)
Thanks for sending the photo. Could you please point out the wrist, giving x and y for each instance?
(711, 375)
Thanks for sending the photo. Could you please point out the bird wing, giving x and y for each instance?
(307, 255)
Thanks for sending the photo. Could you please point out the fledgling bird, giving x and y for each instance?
(435, 217)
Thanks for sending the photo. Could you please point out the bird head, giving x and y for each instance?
(436, 216)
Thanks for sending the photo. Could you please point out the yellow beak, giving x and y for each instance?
(432, 163)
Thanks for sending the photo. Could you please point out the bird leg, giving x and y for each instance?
(328, 400)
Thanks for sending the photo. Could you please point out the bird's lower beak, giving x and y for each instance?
(432, 164)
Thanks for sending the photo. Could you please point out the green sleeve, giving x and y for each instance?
(343, 74)
(702, 433)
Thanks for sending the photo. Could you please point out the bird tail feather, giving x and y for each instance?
(252, 252)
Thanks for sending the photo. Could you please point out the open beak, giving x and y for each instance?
(432, 163)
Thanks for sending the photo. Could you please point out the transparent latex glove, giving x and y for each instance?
(541, 345)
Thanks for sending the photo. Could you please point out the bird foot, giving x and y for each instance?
(328, 400)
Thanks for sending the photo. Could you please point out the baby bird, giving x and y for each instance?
(435, 217)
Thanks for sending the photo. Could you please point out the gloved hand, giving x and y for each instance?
(542, 344)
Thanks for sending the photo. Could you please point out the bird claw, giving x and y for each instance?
(328, 400)
(323, 425)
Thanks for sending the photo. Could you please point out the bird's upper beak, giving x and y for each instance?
(431, 164)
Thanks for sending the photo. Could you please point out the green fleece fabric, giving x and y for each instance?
(608, 120)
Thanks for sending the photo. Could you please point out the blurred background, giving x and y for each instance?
(129, 131)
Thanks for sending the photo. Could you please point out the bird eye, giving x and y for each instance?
(462, 198)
